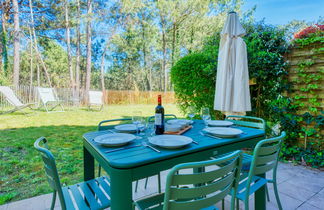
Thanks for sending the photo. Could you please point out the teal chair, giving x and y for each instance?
(265, 158)
(245, 121)
(151, 119)
(95, 192)
(201, 189)
(106, 125)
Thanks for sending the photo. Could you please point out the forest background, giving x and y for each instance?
(97, 44)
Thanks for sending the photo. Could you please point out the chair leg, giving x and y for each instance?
(53, 200)
(277, 194)
(136, 185)
(159, 182)
(99, 170)
(267, 192)
(237, 204)
(246, 204)
(223, 204)
(146, 181)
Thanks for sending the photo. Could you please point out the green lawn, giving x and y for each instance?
(21, 169)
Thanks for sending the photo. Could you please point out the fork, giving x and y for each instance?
(211, 136)
(149, 146)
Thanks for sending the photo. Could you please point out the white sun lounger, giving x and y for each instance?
(95, 99)
(48, 99)
(11, 97)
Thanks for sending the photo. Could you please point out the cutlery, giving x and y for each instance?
(122, 148)
(149, 146)
(215, 137)
(194, 142)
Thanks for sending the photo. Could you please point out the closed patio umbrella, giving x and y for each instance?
(232, 94)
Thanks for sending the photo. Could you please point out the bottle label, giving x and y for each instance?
(158, 119)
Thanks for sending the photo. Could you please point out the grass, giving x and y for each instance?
(22, 174)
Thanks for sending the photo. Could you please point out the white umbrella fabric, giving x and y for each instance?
(232, 94)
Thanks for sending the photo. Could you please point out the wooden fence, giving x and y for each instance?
(29, 95)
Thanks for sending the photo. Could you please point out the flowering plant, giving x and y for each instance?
(309, 30)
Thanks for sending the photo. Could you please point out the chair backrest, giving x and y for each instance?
(10, 96)
(186, 189)
(247, 121)
(95, 97)
(50, 168)
(46, 94)
(266, 155)
(166, 116)
(103, 124)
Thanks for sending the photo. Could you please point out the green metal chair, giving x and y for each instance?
(166, 116)
(95, 192)
(151, 119)
(247, 121)
(103, 126)
(200, 189)
(106, 125)
(265, 158)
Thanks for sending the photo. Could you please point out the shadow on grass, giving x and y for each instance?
(22, 174)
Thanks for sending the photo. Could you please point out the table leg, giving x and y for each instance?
(260, 197)
(88, 165)
(121, 190)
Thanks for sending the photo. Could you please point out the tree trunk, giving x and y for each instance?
(77, 67)
(174, 29)
(102, 73)
(88, 74)
(38, 76)
(68, 43)
(31, 64)
(16, 43)
(164, 61)
(4, 17)
(36, 46)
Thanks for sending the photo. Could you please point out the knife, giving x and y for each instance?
(122, 148)
(211, 136)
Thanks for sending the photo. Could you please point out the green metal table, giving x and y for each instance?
(136, 163)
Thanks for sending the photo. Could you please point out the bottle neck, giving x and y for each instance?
(159, 100)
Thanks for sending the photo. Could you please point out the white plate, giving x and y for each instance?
(114, 139)
(128, 128)
(172, 127)
(223, 132)
(170, 141)
(219, 123)
(180, 121)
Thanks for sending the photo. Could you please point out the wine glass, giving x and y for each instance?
(191, 112)
(150, 131)
(137, 120)
(205, 115)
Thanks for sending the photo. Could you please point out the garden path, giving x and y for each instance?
(299, 188)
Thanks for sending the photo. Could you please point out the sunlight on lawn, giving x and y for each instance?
(22, 174)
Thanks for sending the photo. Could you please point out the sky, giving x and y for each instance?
(282, 11)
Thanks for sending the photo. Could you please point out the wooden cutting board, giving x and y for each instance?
(178, 132)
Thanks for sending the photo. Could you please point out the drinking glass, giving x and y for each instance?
(206, 118)
(204, 111)
(150, 131)
(205, 115)
(191, 112)
(137, 120)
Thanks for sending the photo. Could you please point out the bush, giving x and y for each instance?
(194, 75)
(194, 78)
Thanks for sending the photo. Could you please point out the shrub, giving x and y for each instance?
(193, 78)
(265, 46)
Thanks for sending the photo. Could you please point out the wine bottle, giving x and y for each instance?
(159, 117)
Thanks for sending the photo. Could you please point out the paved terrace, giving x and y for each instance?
(299, 188)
